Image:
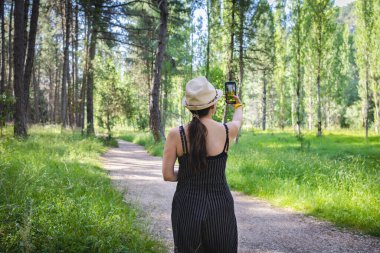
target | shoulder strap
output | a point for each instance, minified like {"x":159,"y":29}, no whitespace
{"x":183,"y":139}
{"x":227,"y":144}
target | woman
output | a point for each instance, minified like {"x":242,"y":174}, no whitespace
{"x":203,"y":217}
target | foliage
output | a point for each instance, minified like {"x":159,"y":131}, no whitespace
{"x":352,"y":113}
{"x":55,"y":197}
{"x":366,"y":56}
{"x":114,"y":99}
{"x":198,"y":43}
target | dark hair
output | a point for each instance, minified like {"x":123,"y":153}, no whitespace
{"x":197,"y":139}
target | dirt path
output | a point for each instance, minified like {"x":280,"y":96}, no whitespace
{"x":261,"y":227}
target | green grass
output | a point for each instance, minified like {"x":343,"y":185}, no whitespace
{"x":144,"y":139}
{"x":55,"y":197}
{"x":335,"y":177}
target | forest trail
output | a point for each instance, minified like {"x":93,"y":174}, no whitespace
{"x":261,"y":227}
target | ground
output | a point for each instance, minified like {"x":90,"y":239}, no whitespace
{"x":261,"y":226}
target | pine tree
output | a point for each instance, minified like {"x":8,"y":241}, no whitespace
{"x":155,"y":118}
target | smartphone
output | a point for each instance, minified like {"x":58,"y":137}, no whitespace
{"x":230,"y":88}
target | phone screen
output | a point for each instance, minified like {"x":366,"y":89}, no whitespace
{"x":230,"y":88}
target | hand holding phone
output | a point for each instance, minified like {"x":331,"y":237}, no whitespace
{"x":230,"y":91}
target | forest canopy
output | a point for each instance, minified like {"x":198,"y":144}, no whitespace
{"x":299,"y":64}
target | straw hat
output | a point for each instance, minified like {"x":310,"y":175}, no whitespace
{"x":200,"y":94}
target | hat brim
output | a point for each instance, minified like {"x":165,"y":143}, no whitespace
{"x":219,"y":94}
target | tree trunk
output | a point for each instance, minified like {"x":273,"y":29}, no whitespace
{"x":165,"y":98}
{"x":191,"y":52}
{"x":56,"y":95}
{"x":90,"y":76}
{"x":155,"y":124}
{"x":50,"y":96}
{"x":327,"y":113}
{"x":31,"y":50}
{"x":377,"y":107}
{"x":20,"y":124}
{"x":272,"y":103}
{"x":75,"y":69}
{"x":367,"y":98}
{"x":241,"y":60}
{"x":310,"y":110}
{"x":66,"y":67}
{"x":10,"y":61}
{"x":264,"y":100}
{"x":82,"y":102}
{"x":82,"y":97}
{"x":2,"y":66}
{"x":2,"y":75}
{"x":36,"y":117}
{"x":319,"y":112}
{"x":298,"y":88}
{"x":57,"y":72}
{"x":282,"y":106}
{"x":231,"y":76}
{"x":208,"y":38}
{"x":293,"y":109}
{"x":148,"y":74}
{"x":26,"y":15}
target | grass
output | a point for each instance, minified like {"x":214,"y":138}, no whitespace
{"x":144,"y":139}
{"x":335,"y":177}
{"x":55,"y":197}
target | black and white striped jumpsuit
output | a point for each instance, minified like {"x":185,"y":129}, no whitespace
{"x":203,"y":216}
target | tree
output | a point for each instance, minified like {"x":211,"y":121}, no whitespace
{"x":75,"y":41}
{"x":113,"y":98}
{"x":66,"y":64}
{"x":31,"y":50}
{"x":363,"y":41}
{"x":95,"y":24}
{"x":2,"y":63}
{"x":209,"y":25}
{"x":10,"y":65}
{"x":155,"y":118}
{"x":279,"y":72}
{"x":260,"y":51}
{"x":322,"y":14}
{"x":375,"y":63}
{"x":230,"y":63}
{"x":20,"y":120}
{"x":297,"y":43}
{"x":2,"y":68}
{"x":243,"y":7}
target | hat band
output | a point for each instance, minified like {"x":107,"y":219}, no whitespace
{"x":212,"y":100}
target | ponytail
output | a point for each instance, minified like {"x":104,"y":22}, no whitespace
{"x":197,"y":134}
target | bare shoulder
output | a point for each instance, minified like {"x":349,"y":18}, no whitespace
{"x":173,"y":133}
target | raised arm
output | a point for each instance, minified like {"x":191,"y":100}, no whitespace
{"x":237,"y":120}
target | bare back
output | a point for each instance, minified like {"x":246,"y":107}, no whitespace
{"x":215,"y":138}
